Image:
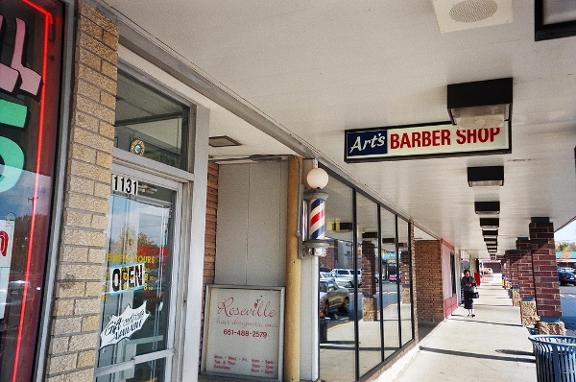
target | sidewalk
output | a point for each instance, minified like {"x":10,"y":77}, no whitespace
{"x":490,"y":347}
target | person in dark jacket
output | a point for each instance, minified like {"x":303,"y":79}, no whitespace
{"x":468,"y":284}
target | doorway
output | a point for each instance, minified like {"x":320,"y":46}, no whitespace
{"x":138,"y":307}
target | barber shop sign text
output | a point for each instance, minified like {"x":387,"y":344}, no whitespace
{"x":422,"y":141}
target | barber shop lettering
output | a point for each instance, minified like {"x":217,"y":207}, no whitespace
{"x":127,"y":277}
{"x":422,"y":141}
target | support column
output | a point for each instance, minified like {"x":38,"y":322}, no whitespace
{"x":525,"y":272}
{"x":293,"y":271}
{"x":428,"y":267}
{"x":547,"y":290}
{"x":369,"y":303}
{"x":513,"y":257}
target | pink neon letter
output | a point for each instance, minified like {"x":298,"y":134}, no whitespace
{"x":30,"y":79}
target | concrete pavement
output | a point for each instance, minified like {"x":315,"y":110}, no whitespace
{"x":493,"y":346}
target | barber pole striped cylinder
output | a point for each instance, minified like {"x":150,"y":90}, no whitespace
{"x":317,"y":226}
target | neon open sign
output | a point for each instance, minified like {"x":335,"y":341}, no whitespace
{"x":12,"y":113}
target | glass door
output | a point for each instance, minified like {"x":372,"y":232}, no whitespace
{"x":136,"y":340}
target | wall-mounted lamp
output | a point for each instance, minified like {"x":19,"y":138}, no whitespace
{"x":489,"y":223}
{"x":481,"y":104}
{"x":486,"y":176}
{"x":487,"y":208}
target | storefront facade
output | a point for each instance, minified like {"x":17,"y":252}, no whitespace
{"x":105,"y":221}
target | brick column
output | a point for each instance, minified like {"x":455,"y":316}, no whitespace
{"x":513,"y":257}
{"x":545,"y":269}
{"x":525,"y":273}
{"x":428,"y":268}
{"x":414,"y":280}
{"x":74,"y":330}
{"x":369,"y":302}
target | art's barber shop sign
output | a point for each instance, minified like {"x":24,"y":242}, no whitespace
{"x":424,"y":141}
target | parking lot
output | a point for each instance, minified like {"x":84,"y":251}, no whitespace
{"x":568,"y":301}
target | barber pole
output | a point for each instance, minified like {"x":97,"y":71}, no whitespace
{"x":317,"y":219}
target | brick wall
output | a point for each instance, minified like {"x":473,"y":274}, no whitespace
{"x":415,"y":281}
{"x":525,"y":276}
{"x":368,"y":264}
{"x":210,"y":234}
{"x":428,"y":273}
{"x":75,"y":317}
{"x":547,"y":290}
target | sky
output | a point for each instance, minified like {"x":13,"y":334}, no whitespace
{"x":568,"y":233}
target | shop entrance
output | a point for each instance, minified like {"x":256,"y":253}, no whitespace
{"x":138,"y":308}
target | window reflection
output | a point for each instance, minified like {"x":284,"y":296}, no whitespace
{"x":336,"y":289}
{"x":389,"y":282}
{"x":149,"y":124}
{"x":369,"y":339}
{"x":405,"y":280}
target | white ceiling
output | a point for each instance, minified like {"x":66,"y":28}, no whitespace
{"x":320,"y":67}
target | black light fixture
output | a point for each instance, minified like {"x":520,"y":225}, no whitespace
{"x":486,"y":176}
{"x":481,"y":103}
{"x":223,"y":141}
{"x":487,"y":208}
{"x":489,"y":223}
{"x":490,"y":233}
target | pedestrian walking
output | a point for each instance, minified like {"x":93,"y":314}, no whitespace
{"x":468,"y":286}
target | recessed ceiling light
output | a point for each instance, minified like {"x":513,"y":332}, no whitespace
{"x":223,"y":141}
{"x":486,"y":176}
{"x":487,"y":208}
{"x":489,"y":223}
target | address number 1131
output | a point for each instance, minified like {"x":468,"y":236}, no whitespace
{"x":124,"y":185}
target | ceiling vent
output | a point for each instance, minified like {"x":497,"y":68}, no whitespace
{"x":456,"y":15}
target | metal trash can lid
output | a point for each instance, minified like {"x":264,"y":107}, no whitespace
{"x":554,"y":340}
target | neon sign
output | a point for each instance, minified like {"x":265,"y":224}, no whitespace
{"x":14,"y":114}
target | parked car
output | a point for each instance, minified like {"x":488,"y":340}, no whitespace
{"x":343,"y":275}
{"x":566,"y":278}
{"x":333,"y":299}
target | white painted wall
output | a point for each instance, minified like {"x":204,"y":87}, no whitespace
{"x":251,"y":225}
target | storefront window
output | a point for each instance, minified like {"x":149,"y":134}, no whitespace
{"x":337,"y":339}
{"x":369,"y":338}
{"x":405,"y":280}
{"x":364,"y":289}
{"x":30,"y":63}
{"x":389,"y":282}
{"x":149,"y":124}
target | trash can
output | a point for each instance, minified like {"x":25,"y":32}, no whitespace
{"x":555,"y":358}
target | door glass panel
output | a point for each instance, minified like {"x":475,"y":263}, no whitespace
{"x":137,"y":293}
{"x":152,"y":371}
